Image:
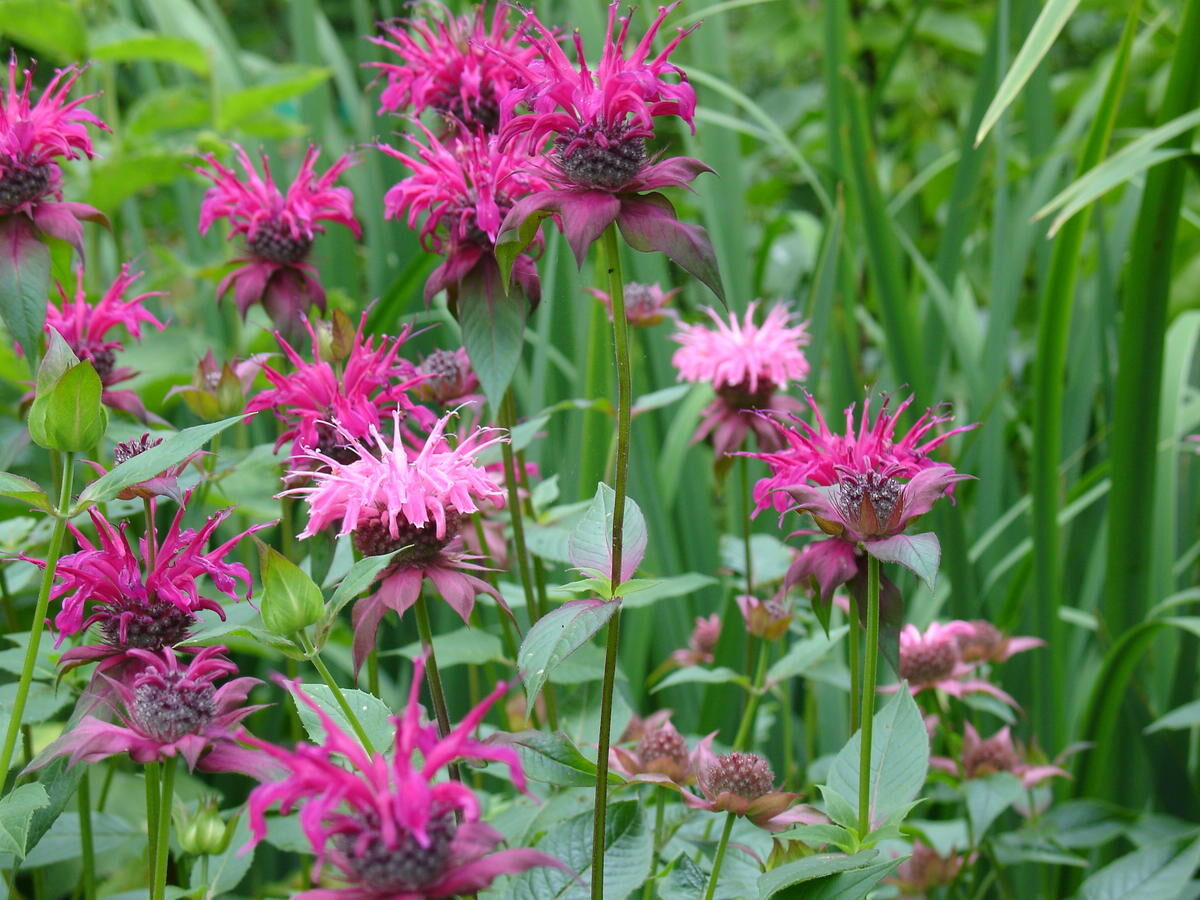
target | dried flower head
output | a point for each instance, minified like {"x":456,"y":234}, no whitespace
{"x":660,"y":754}
{"x":932,"y":660}
{"x":981,"y":757}
{"x":645,"y":304}
{"x":986,"y":643}
{"x":701,"y":643}
{"x":743,"y":784}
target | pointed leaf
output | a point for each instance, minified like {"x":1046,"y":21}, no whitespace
{"x":238,"y":106}
{"x":290,"y":600}
{"x":493,"y":329}
{"x":24,"y":281}
{"x":557,"y":635}
{"x":148,"y":45}
{"x":852,"y":884}
{"x":988,"y":797}
{"x":810,"y":868}
{"x":649,"y":223}
{"x":70,"y":417}
{"x":16,"y":810}
{"x":1159,"y":871}
{"x":921,"y":553}
{"x":1186,"y":716}
{"x":20,"y":488}
{"x":372,"y":713}
{"x":590,"y":544}
{"x":701,"y":675}
{"x":553,"y":759}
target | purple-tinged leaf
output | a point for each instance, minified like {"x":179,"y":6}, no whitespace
{"x":24,"y":281}
{"x":921,"y":553}
{"x":557,"y":635}
{"x":648,"y":223}
{"x":590,"y":545}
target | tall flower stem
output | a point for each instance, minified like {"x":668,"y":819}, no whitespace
{"x":660,"y":805}
{"x":746,"y":728}
{"x":719,"y":858}
{"x":441,"y":713}
{"x":87,"y":878}
{"x":166,"y":796}
{"x":868,"y":697}
{"x":508,"y":418}
{"x":153,"y":775}
{"x":853,"y":650}
{"x":338,"y":697}
{"x":39,"y":615}
{"x":616,"y":291}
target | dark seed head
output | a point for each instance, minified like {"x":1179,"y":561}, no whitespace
{"x":167,"y":712}
{"x":739,"y":396}
{"x":988,"y":757}
{"x":591,"y":157}
{"x":149,"y":625}
{"x":372,"y":538}
{"x":867,"y":500}
{"x":927,"y":663}
{"x":127,"y":450}
{"x":664,"y":750}
{"x":406,"y":867}
{"x":21,"y":183}
{"x":103,"y":361}
{"x":273,"y":242}
{"x":982,"y":643}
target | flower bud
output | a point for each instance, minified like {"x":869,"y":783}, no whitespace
{"x":207,"y":834}
{"x":291,"y":601}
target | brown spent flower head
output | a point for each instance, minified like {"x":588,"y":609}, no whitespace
{"x":701,"y":644}
{"x":743,"y":784}
{"x":767,"y":619}
{"x":746,"y":775}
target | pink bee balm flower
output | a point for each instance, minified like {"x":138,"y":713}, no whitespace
{"x":449,"y":377}
{"x":85,"y":328}
{"x":32,"y":135}
{"x":999,"y":753}
{"x":458,"y":66}
{"x":645,"y":304}
{"x":660,"y":756}
{"x":743,"y":784}
{"x":933,"y":661}
{"x":986,"y":643}
{"x":701,"y":644}
{"x":138,"y":604}
{"x":166,"y":710}
{"x":164,"y":484}
{"x":463,"y":188}
{"x":391,"y":828}
{"x":279,"y":230}
{"x":767,"y":619}
{"x":390,"y":499}
{"x":599,"y":167}
{"x":924,"y":871}
{"x":324,"y":406}
{"x":747,"y":365}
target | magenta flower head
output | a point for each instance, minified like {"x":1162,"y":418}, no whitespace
{"x":32,"y":136}
{"x":279,"y":230}
{"x":933,"y":661}
{"x":86,"y":329}
{"x":999,"y":753}
{"x":743,"y":784}
{"x":458,"y":66}
{"x":393,"y":830}
{"x":138,"y":605}
{"x":600,"y":169}
{"x":747,"y":365}
{"x":326,"y":407}
{"x":464,"y":188}
{"x":168,"y":709}
{"x":392,"y":500}
{"x":767,"y":619}
{"x":645,"y":304}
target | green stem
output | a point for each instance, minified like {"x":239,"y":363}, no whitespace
{"x":868,"y":697}
{"x":87,"y":847}
{"x":373,"y":672}
{"x":153,"y":775}
{"x":338,"y":697}
{"x":158,"y":887}
{"x":508,"y":418}
{"x":616,"y":291}
{"x":746,"y":728}
{"x":441,"y":713}
{"x":39,"y":616}
{"x":660,"y":805}
{"x":744,"y":466}
{"x":853,"y":650}
{"x":720,"y":857}
{"x":151,"y":535}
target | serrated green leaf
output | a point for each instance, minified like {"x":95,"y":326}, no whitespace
{"x":804,"y":654}
{"x":810,"y":868}
{"x":590,"y":544}
{"x":557,"y":635}
{"x":24,"y":282}
{"x":23,"y":489}
{"x":16,"y":811}
{"x":371,"y":712}
{"x":465,"y":646}
{"x":988,"y":797}
{"x":919,"y":553}
{"x":554,"y":759}
{"x":493,"y":330}
{"x":1159,"y":871}
{"x":665,"y":589}
{"x":116,"y":181}
{"x":852,"y":884}
{"x":701,"y":675}
{"x":1186,"y":716}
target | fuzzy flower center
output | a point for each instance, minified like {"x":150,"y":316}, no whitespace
{"x":373,"y":538}
{"x":747,"y":775}
{"x":482,"y":111}
{"x":982,"y":643}
{"x":739,"y":396}
{"x":103,"y":360}
{"x":928,"y":662}
{"x":274,"y":242}
{"x":601,"y":156}
{"x":407,"y":866}
{"x":662,"y":749}
{"x":23,"y":183}
{"x":867,"y":500}
{"x":988,"y":757}
{"x":127,"y":450}
{"x":169,"y":710}
{"x":146,"y":625}
{"x":446,"y":376}
{"x":332,"y":443}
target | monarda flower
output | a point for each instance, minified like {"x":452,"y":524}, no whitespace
{"x":391,"y":500}
{"x":391,"y":826}
{"x":660,"y":756}
{"x":458,"y":66}
{"x":448,"y":378}
{"x":924,"y":871}
{"x":218,"y":391}
{"x":85,"y":327}
{"x":325,"y":407}
{"x":747,"y":365}
{"x":984,"y":642}
{"x":464,"y":188}
{"x":645,"y":304}
{"x":168,"y":709}
{"x":164,"y":484}
{"x":138,"y":604}
{"x":767,"y":619}
{"x":932,"y":661}
{"x":32,"y":136}
{"x":599,"y":167}
{"x":999,"y":753}
{"x":743,"y":784}
{"x":279,"y":230}
{"x":702,"y":643}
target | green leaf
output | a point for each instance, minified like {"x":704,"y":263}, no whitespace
{"x":988,"y":797}
{"x":512,"y":243}
{"x":370,"y":711}
{"x":16,"y":810}
{"x":70,"y":417}
{"x":665,"y":589}
{"x":24,"y":282}
{"x":920,"y":553}
{"x":1045,"y":31}
{"x":816,"y":835}
{"x":242,"y":105}
{"x":852,"y":884}
{"x":290,"y":601}
{"x":173,"y":450}
{"x":23,"y":489}
{"x":493,"y":330}
{"x":466,"y":646}
{"x":701,"y":675}
{"x":154,"y":47}
{"x":554,"y":759}
{"x":590,"y":544}
{"x":169,"y":109}
{"x":810,"y":868}
{"x":1159,"y":871}
{"x":899,"y":759}
{"x":114,"y":182}
{"x":1186,"y":716}
{"x":557,"y":635}
{"x":628,"y":847}
{"x":1086,"y":823}
{"x":60,"y":779}
{"x":804,"y":654}
{"x":684,"y":881}
{"x":659,"y":399}
{"x":52,"y":28}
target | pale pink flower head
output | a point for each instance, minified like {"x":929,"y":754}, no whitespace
{"x":389,"y":824}
{"x":932,"y":660}
{"x":767,"y":619}
{"x":743,"y":784}
{"x":702,"y":642}
{"x":645,"y":304}
{"x":746,"y":364}
{"x":325,"y":407}
{"x":168,"y":709}
{"x":1000,"y":753}
{"x":463,"y":189}
{"x":449,"y":378}
{"x":391,"y":499}
{"x":279,"y":229}
{"x":660,"y":756}
{"x":32,"y":135}
{"x":87,"y":330}
{"x":134,"y":605}
{"x":460,"y":67}
{"x":986,"y":643}
{"x":924,"y":871}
